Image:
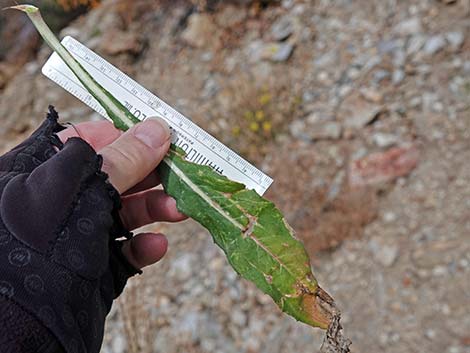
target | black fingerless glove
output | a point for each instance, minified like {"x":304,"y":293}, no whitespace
{"x":61,"y":264}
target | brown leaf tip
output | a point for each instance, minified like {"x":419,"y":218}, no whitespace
{"x":318,"y":309}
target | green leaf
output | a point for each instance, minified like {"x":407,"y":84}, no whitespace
{"x":252,"y":232}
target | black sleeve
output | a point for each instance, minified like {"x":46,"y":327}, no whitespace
{"x":60,"y":261}
{"x":20,"y":331}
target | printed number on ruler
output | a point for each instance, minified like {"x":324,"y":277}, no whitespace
{"x":200,"y":147}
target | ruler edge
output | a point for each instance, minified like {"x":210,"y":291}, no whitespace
{"x":268,"y":180}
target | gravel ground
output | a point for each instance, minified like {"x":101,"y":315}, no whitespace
{"x":365,"y":127}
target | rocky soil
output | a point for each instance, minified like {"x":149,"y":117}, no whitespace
{"x":359,"y":110}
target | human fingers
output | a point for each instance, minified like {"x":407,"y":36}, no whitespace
{"x":150,"y":181}
{"x":136,"y":153}
{"x":145,"y":249}
{"x":97,"y":133}
{"x":149,"y":207}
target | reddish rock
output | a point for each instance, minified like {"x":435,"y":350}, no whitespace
{"x":383,"y":167}
{"x":303,"y":191}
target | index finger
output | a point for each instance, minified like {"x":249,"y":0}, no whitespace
{"x":97,"y":133}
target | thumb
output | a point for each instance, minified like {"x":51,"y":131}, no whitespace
{"x":136,"y":153}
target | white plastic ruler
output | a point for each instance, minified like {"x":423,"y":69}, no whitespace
{"x":200,"y":147}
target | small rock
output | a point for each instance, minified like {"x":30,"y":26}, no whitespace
{"x":318,"y":117}
{"x":353,"y":73}
{"x":309,"y":96}
{"x":383,"y":339}
{"x":399,"y":58}
{"x":389,"y":46}
{"x":466,"y":66}
{"x":434,"y":44}
{"x":189,"y":326}
{"x":282,"y":28}
{"x":118,"y":42}
{"x":394,"y":337}
{"x":211,"y":87}
{"x":164,"y":342}
{"x":231,"y":16}
{"x":430,"y":333}
{"x":398,"y":76}
{"x":209,"y":345}
{"x":415,"y":102}
{"x":385,"y":254}
{"x":119,"y":344}
{"x":264,"y":299}
{"x":357,"y":113}
{"x":445,"y":309}
{"x":31,"y":67}
{"x":384,"y":140}
{"x":298,"y":9}
{"x":439,"y":271}
{"x":287,"y":4}
{"x":200,"y":30}
{"x":455,"y":40}
{"x":409,"y":26}
{"x":327,"y":59}
{"x":335,"y":187}
{"x":181,"y":268}
{"x":279,"y":52}
{"x":415,"y":44}
{"x":238,"y":318}
{"x":253,"y":344}
{"x":437,"y":107}
{"x":297,"y":129}
{"x":325,"y":131}
{"x":371,"y":95}
{"x":324,"y":77}
{"x":380,"y":75}
{"x":428,"y":99}
{"x":207,"y":56}
{"x":209,"y":328}
{"x":257,"y":324}
{"x":316,"y":126}
{"x":389,"y":217}
{"x":343,"y":91}
{"x":217,"y":263}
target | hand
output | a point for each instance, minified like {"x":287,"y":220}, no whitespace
{"x":130,"y":160}
{"x":64,"y":210}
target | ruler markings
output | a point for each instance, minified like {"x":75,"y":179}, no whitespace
{"x":127,"y":84}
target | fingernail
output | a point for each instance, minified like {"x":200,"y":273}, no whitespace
{"x":154,"y":132}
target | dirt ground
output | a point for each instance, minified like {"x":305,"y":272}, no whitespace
{"x":359,"y":110}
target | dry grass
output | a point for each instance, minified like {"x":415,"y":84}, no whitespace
{"x":256,"y":115}
{"x":138,"y":323}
